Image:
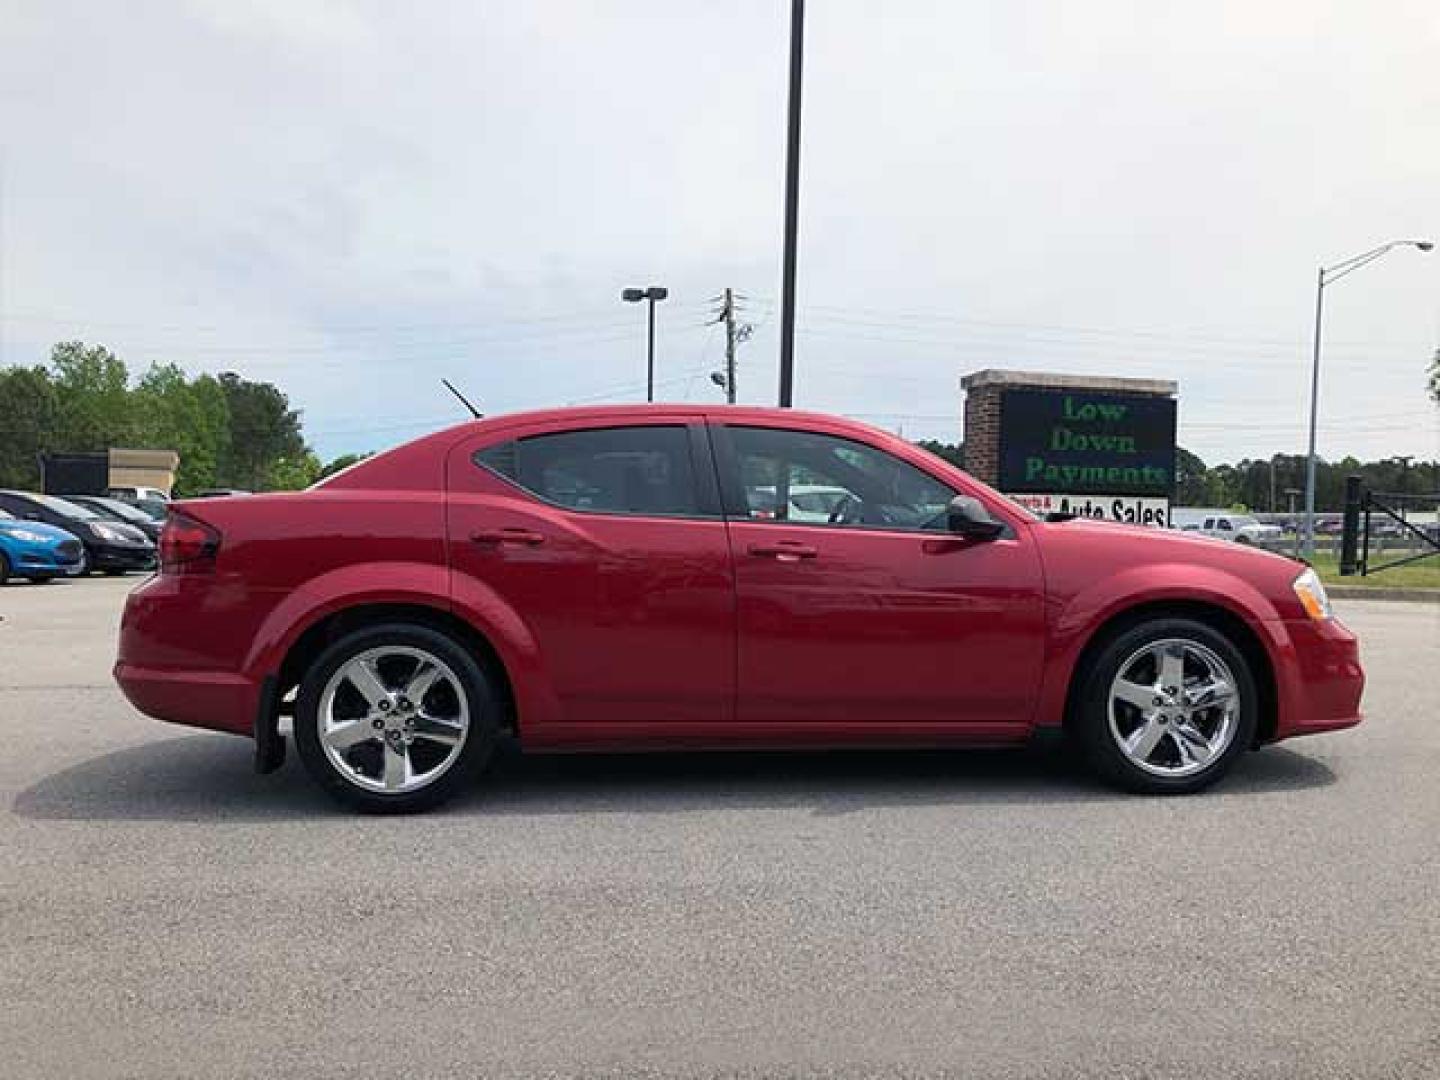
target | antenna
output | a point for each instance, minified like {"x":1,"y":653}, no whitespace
{"x":463,"y":400}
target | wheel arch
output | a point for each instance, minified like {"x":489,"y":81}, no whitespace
{"x":1219,"y":618}
{"x":331,"y":627}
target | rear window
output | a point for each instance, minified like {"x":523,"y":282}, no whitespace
{"x":623,"y":470}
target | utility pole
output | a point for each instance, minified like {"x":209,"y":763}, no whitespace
{"x":735,"y":333}
{"x":729,"y":314}
{"x":792,"y":206}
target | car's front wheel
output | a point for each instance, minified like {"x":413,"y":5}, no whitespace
{"x":394,"y":718}
{"x":1166,"y":706}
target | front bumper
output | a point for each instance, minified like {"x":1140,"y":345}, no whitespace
{"x":122,"y":557}
{"x":48,"y":560}
{"x":1319,"y":678}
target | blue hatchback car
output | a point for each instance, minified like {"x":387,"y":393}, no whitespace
{"x":34,"y":550}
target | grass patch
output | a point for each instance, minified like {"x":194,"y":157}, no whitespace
{"x":1424,"y":574}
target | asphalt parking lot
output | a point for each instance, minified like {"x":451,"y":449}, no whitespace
{"x":167,"y":913}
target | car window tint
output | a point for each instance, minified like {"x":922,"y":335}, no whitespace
{"x":824,"y":477}
{"x":1224,"y":525}
{"x":120,"y":509}
{"x":625,"y":470}
{"x":65,"y":508}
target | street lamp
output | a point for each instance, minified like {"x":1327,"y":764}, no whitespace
{"x":634,"y":296}
{"x":1327,"y":276}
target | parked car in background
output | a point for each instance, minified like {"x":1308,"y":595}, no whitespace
{"x":1225,"y":525}
{"x":155,"y":509}
{"x":111,"y":546}
{"x":137,"y":494}
{"x":599,"y":578}
{"x":119,"y":510}
{"x":37,"y":551}
{"x":808,"y":502}
{"x":1240,"y":529}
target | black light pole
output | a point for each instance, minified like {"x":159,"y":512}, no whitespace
{"x":792,"y":207}
{"x":634,"y":296}
{"x":1327,"y":276}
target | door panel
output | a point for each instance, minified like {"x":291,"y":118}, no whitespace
{"x":633,"y":613}
{"x":865,"y":624}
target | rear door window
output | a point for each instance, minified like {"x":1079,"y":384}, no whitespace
{"x":645,"y":470}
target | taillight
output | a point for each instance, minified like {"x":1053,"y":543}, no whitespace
{"x":187,"y":546}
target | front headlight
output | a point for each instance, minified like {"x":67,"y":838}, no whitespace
{"x":105,"y":532}
{"x":1311,"y":593}
{"x":26,"y":536}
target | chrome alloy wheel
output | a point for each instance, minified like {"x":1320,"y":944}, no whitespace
{"x":393,"y":719}
{"x":1174,"y":707}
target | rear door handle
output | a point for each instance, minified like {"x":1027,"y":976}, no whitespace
{"x":784,"y":551}
{"x":508,"y":536}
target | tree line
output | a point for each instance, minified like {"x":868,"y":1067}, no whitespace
{"x":234,"y":433}
{"x":229,"y":432}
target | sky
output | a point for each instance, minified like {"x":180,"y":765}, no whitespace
{"x":355,"y":199}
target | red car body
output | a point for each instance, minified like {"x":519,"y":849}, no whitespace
{"x":635,"y":631}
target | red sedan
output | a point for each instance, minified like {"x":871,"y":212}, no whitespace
{"x":645,"y":578}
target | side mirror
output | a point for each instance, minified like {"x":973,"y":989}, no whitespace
{"x":968,"y":517}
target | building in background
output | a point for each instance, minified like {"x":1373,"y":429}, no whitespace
{"x":1096,"y":446}
{"x":95,"y":474}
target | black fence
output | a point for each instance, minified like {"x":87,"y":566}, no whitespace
{"x":1379,"y":523}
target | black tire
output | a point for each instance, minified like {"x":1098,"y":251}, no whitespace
{"x":1090,"y":722}
{"x":4,"y":568}
{"x":43,"y":579}
{"x":1244,"y":540}
{"x":476,"y":748}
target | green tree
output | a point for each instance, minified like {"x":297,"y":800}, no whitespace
{"x":191,"y":418}
{"x":1190,"y":474}
{"x":94,"y":410}
{"x":28,"y":420}
{"x":344,"y":461}
{"x":954,"y":453}
{"x":263,"y":431}
{"x":292,"y":473}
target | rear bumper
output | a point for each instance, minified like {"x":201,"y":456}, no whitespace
{"x":179,"y":655}
{"x":217,"y":700}
{"x":1319,"y":678}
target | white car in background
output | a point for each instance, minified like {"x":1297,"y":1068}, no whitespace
{"x":1237,"y":528}
{"x":808,"y":502}
{"x":138,"y":494}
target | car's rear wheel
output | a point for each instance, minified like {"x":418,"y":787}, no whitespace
{"x":4,"y":568}
{"x":1166,"y":706}
{"x":395,"y":718}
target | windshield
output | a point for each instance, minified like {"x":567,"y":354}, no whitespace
{"x":65,"y":507}
{"x":123,"y":510}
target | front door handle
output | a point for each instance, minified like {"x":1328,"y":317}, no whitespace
{"x":784,"y":551}
{"x":508,"y":536}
